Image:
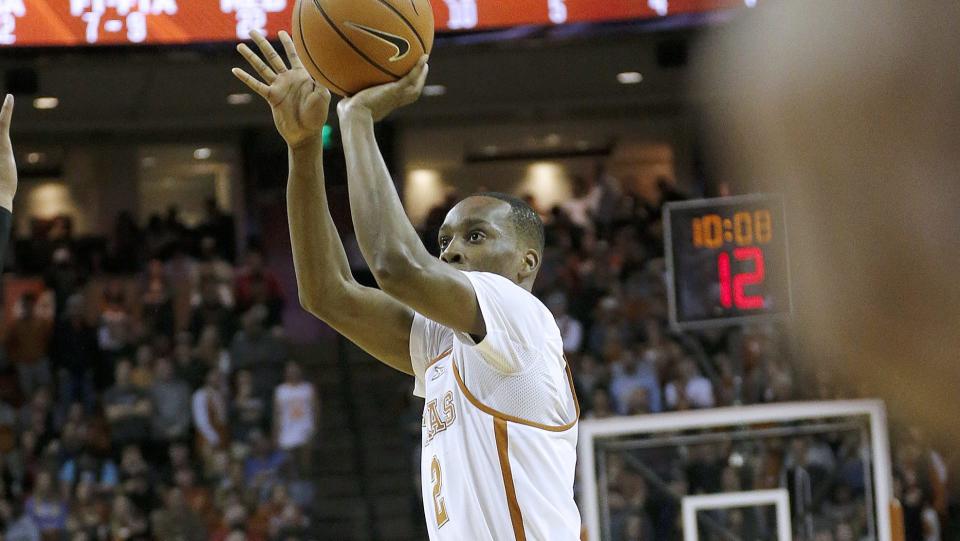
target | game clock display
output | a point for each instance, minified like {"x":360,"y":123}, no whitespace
{"x":726,"y":261}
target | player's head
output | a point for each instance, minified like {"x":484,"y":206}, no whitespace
{"x":494,"y":232}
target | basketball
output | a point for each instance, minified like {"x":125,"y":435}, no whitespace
{"x":350,"y":45}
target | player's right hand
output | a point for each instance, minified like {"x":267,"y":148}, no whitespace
{"x":300,"y":106}
{"x":8,"y":166}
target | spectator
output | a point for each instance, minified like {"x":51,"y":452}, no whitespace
{"x":141,"y":375}
{"x":213,"y":266}
{"x":689,"y":389}
{"x":248,"y":412}
{"x":126,"y":522}
{"x":189,"y":365}
{"x":128,"y":409}
{"x":210,"y":415}
{"x":262,"y":467}
{"x":571,"y":330}
{"x":171,"y":404}
{"x":74,"y":352}
{"x":46,"y":508}
{"x":27,"y":344}
{"x":255,"y":280}
{"x":630,"y":373}
{"x":258,"y":351}
{"x":211,"y":309}
{"x":175,"y":520}
{"x":296,"y":415}
{"x":156,"y":298}
{"x":601,"y":405}
{"x":114,"y":333}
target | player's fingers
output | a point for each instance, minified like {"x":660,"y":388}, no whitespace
{"x":417,"y":72}
{"x":6,"y":114}
{"x":291,"y":50}
{"x":273,"y":58}
{"x":255,"y":85}
{"x":422,"y":79}
{"x":264,"y":70}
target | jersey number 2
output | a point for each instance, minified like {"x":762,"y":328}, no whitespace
{"x":439,"y":507}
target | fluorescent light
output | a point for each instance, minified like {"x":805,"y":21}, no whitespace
{"x":202,"y":153}
{"x":149,"y":161}
{"x":630,"y":78}
{"x":34,"y":157}
{"x":239,"y":99}
{"x":46,"y":103}
{"x":434,"y":90}
{"x":491,"y":149}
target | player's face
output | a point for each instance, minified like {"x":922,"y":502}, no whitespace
{"x":478,"y":235}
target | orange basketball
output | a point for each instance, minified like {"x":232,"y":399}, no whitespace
{"x":350,"y":45}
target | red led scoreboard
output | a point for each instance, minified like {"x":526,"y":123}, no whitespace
{"x":726,"y":261}
{"x":40,"y":23}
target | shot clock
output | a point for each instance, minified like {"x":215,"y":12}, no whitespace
{"x":726,"y":261}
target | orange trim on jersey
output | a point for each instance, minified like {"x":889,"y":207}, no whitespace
{"x":503,"y":453}
{"x":438,"y":358}
{"x":506,"y":417}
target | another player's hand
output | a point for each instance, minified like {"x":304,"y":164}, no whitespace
{"x":300,"y":106}
{"x":380,"y":101}
{"x":8,"y":166}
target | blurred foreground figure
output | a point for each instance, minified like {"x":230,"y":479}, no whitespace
{"x":850,"y":110}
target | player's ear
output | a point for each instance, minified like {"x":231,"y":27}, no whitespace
{"x":531,"y":263}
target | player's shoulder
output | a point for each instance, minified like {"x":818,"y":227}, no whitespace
{"x":505,"y":287}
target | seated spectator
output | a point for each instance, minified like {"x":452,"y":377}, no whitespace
{"x":248,"y":412}
{"x":27,"y":344}
{"x":138,"y":479}
{"x":689,"y":390}
{"x":156,"y":300}
{"x":262,"y":467}
{"x":128,"y":410}
{"x":211,"y":310}
{"x":213,"y":265}
{"x":176,"y":520}
{"x":115,"y":331}
{"x":255,"y":283}
{"x":296,"y":409}
{"x":628,"y":373}
{"x":571,"y":330}
{"x":126,"y":522}
{"x":188,"y":365}
{"x":197,"y":497}
{"x":17,"y":525}
{"x":88,"y":514}
{"x":209,"y":408}
{"x":601,"y":405}
{"x":46,"y":508}
{"x":260,"y":352}
{"x":171,"y":404}
{"x":142,"y":373}
{"x":74,"y":352}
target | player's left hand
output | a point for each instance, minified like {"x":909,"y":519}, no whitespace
{"x":8,"y":166}
{"x":380,"y":101}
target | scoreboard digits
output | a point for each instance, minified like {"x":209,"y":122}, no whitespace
{"x":726,"y":260}
{"x":116,"y":22}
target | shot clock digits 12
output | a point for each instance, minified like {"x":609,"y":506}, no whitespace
{"x":726,"y":260}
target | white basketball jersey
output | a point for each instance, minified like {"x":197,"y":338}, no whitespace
{"x":499,"y":423}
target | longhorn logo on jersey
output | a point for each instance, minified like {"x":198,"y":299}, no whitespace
{"x":439,"y":415}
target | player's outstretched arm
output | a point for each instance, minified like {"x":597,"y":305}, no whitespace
{"x":8,"y":174}
{"x":371,"y":319}
{"x":401,"y":264}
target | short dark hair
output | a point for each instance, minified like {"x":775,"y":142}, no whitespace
{"x":526,"y":220}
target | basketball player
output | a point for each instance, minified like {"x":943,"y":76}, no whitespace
{"x":8,"y":176}
{"x":500,"y":419}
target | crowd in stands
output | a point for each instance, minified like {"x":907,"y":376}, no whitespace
{"x":147,"y":391}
